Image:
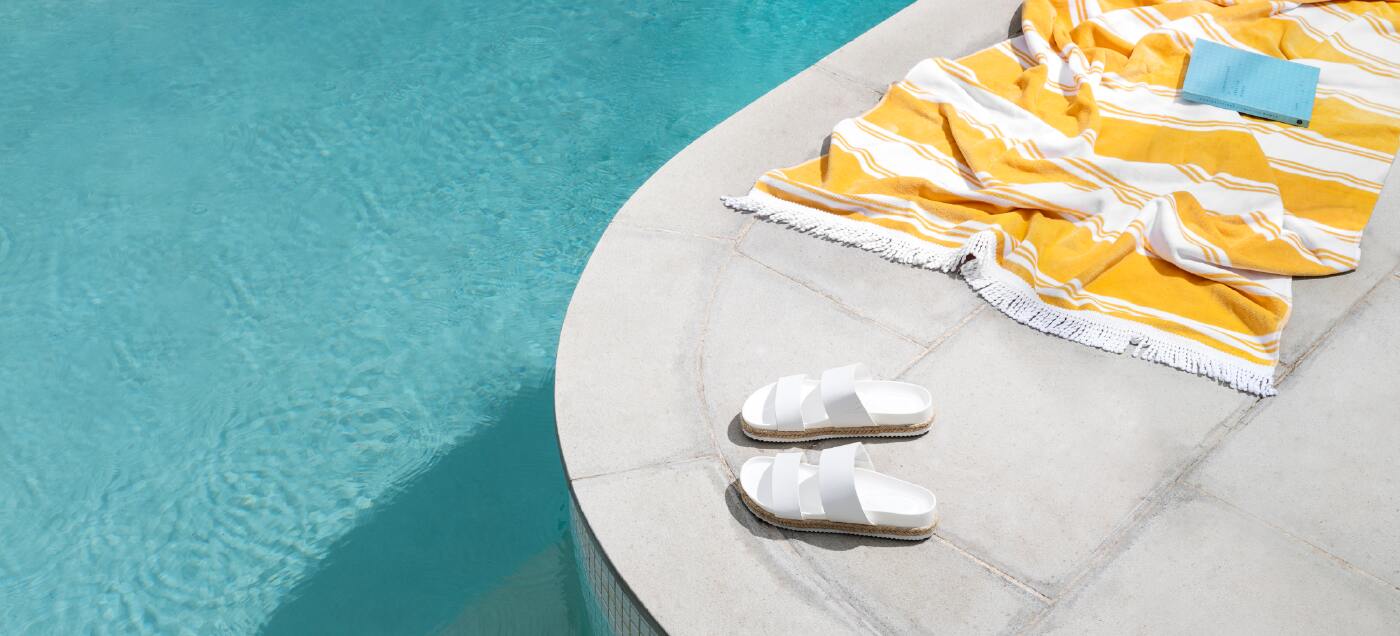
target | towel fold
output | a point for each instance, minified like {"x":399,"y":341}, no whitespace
{"x":1061,"y":174}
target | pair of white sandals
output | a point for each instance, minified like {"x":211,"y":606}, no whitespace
{"x":840,"y":491}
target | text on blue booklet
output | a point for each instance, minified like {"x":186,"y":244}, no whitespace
{"x":1250,"y":83}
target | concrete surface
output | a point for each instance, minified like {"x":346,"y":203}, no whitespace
{"x":1080,"y":491}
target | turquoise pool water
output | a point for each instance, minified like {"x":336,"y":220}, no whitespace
{"x":280,"y":286}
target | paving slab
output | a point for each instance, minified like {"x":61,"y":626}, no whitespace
{"x":1043,"y":447}
{"x":1080,"y":491}
{"x":785,"y":127}
{"x":763,"y":326}
{"x":1201,"y":567}
{"x":951,"y":29}
{"x":716,"y":568}
{"x":641,"y":332}
{"x":927,"y":588}
{"x":864,"y":282}
{"x":1321,"y":460}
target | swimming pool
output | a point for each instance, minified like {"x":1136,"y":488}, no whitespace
{"x":280,"y":286}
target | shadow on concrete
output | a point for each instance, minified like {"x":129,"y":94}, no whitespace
{"x":762,"y":530}
{"x":823,"y":540}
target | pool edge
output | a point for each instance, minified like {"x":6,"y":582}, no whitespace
{"x":859,"y":71}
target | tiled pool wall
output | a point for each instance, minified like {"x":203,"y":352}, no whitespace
{"x":612,"y":609}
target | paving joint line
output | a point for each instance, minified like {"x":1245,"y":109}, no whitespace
{"x":1326,"y":335}
{"x":743,"y":232}
{"x":987,"y":565}
{"x":1156,"y":499}
{"x":1347,"y":565}
{"x":841,"y":305}
{"x":942,"y":338}
{"x":879,"y":91}
{"x":866,"y":614}
{"x":705,"y":415}
{"x":649,"y":465}
{"x":662,"y":230}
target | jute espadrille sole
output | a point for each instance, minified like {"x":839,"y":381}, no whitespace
{"x":832,"y":432}
{"x":837,"y":527}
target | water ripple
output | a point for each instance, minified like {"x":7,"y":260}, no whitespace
{"x":268,"y":268}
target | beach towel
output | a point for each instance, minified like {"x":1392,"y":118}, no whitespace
{"x":1061,"y":174}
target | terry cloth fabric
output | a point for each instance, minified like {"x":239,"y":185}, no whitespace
{"x":1062,"y":176}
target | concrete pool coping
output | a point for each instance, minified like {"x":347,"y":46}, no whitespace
{"x":1108,"y":495}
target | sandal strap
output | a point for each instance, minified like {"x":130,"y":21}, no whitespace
{"x":838,"y":391}
{"x":836,"y":476}
{"x":785,"y":494}
{"x":787,"y":402}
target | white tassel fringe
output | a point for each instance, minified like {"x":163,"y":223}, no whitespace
{"x":1021,"y":305}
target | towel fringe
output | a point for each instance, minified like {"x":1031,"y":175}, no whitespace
{"x":1022,"y":305}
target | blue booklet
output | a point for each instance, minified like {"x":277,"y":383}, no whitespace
{"x":1250,"y":83}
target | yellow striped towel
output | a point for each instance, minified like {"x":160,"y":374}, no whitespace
{"x":1062,"y":177}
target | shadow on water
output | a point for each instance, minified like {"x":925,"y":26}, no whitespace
{"x":476,"y":543}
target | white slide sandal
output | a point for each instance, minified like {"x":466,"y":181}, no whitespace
{"x":841,"y":493}
{"x":844,"y":403}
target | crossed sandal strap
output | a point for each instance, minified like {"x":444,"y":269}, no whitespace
{"x":783,"y":480}
{"x":836,"y":477}
{"x":787,"y":402}
{"x":838,"y":392}
{"x":835,"y":401}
